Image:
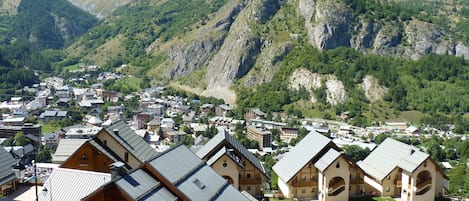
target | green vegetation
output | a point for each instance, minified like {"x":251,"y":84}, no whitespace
{"x":19,"y":139}
{"x":412,"y":84}
{"x":355,"y":152}
{"x":125,"y":85}
{"x":142,"y":23}
{"x":50,"y":127}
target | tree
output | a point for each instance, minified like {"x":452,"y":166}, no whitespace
{"x":355,"y":152}
{"x":160,"y":133}
{"x":456,"y":176}
{"x":380,"y":138}
{"x":44,"y":155}
{"x":435,"y":151}
{"x":188,"y":140}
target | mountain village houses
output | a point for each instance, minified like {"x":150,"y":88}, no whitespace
{"x":140,"y":158}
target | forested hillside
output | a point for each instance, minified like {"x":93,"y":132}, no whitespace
{"x":32,"y":36}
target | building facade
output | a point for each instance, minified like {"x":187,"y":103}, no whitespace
{"x":316,"y":169}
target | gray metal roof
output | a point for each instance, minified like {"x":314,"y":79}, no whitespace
{"x":192,"y":177}
{"x":70,"y":184}
{"x":175,"y":164}
{"x":131,"y":141}
{"x":6,"y":163}
{"x":300,"y":155}
{"x":66,"y":148}
{"x":327,"y":159}
{"x":159,"y":194}
{"x":389,"y":155}
{"x":137,"y":183}
{"x":224,"y":139}
{"x":258,"y":112}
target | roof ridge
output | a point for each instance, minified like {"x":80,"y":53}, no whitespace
{"x":189,"y":173}
{"x":219,"y":191}
{"x":158,"y":186}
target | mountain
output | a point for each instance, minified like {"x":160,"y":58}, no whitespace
{"x":99,"y":8}
{"x":32,"y":34}
{"x":230,"y":48}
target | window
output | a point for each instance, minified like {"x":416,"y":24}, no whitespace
{"x":126,"y":157}
{"x":313,"y":190}
{"x":313,"y":177}
{"x":198,"y":183}
{"x":248,"y":188}
{"x":337,"y":165}
{"x":304,"y":178}
{"x":389,"y":177}
{"x":105,"y":142}
{"x":303,"y":190}
{"x":248,"y":175}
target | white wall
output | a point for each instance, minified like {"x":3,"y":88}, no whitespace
{"x":284,"y":188}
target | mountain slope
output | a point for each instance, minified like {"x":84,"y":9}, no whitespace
{"x":223,"y":46}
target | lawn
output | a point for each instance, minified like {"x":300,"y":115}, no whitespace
{"x":72,"y":67}
{"x":50,"y":127}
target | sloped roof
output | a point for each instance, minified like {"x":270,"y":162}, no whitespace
{"x":217,"y":142}
{"x":195,"y":179}
{"x":389,"y":155}
{"x":131,"y":141}
{"x":66,"y":148}
{"x":71,"y":184}
{"x":139,"y":185}
{"x":6,"y":163}
{"x":327,"y":159}
{"x":300,"y":155}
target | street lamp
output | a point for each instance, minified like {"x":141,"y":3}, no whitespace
{"x":19,"y":170}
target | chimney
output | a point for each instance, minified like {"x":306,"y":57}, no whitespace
{"x":116,"y":131}
{"x":117,"y":169}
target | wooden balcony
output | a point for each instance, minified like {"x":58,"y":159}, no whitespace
{"x":398,"y":183}
{"x":250,"y":181}
{"x":336,"y":189}
{"x":304,"y":183}
{"x":357,"y":181}
{"x":424,"y":184}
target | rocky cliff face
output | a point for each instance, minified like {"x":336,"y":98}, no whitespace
{"x":373,"y":91}
{"x":335,"y":89}
{"x":238,"y":52}
{"x":330,"y":24}
{"x":327,"y":22}
{"x":186,"y":57}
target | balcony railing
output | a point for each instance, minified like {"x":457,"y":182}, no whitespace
{"x":356,"y":181}
{"x":250,"y":181}
{"x":336,"y":189}
{"x":336,"y":185}
{"x":398,"y":183}
{"x":424,"y":184}
{"x":304,"y":183}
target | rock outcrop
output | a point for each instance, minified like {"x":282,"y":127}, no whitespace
{"x":335,"y":89}
{"x":373,"y":91}
{"x":238,"y":53}
{"x":327,"y":22}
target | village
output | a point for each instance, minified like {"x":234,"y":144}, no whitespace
{"x":157,"y":145}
